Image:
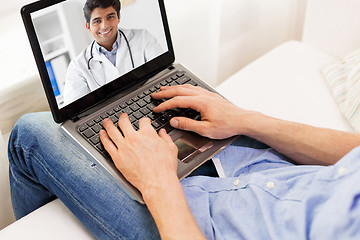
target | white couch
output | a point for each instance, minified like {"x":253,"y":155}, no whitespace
{"x":285,"y":83}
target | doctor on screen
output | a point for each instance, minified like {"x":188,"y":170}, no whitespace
{"x":113,"y":53}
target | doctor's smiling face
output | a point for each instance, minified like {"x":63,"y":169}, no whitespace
{"x":103,"y":26}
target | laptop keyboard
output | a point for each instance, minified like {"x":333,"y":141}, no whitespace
{"x":139,"y":106}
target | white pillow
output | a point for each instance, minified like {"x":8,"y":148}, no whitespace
{"x":343,"y":79}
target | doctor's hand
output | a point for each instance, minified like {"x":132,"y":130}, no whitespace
{"x":219,"y":118}
{"x":147,"y":159}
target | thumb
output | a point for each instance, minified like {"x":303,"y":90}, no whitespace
{"x":187,"y":124}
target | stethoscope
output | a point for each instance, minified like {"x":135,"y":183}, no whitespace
{"x":127,"y":42}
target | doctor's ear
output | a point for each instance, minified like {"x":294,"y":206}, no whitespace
{"x":87,"y":25}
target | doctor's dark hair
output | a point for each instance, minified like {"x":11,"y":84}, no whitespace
{"x":90,"y":5}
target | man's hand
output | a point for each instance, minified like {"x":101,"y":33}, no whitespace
{"x":219,"y":117}
{"x":146,"y":159}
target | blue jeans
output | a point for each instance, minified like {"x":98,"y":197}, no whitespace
{"x":45,"y":165}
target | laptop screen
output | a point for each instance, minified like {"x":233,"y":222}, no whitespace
{"x":87,"y":50}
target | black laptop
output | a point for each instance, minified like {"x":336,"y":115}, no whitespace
{"x":68,"y":57}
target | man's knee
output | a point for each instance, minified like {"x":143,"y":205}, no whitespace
{"x":32,"y":124}
{"x":30,"y":121}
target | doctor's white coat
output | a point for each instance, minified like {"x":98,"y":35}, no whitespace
{"x":81,"y":81}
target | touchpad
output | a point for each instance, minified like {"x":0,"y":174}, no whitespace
{"x":190,"y":145}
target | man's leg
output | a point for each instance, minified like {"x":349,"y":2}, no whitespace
{"x":45,"y":165}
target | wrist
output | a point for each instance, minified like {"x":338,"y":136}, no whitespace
{"x":156,"y":191}
{"x":249,"y":123}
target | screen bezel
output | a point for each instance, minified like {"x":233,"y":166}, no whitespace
{"x":121,"y":83}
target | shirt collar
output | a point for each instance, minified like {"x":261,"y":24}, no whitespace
{"x":101,"y":49}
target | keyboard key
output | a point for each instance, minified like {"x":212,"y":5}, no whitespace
{"x":156,"y":124}
{"x":138,"y":115}
{"x":151,"y":106}
{"x":132,"y":118}
{"x":145,"y":111}
{"x":88,"y":133}
{"x":169,"y":115}
{"x":100,"y":147}
{"x":104,"y":115}
{"x":152,"y":115}
{"x":90,"y":123}
{"x":127,"y":110}
{"x":157,"y":86}
{"x":135,"y":99}
{"x":141,"y":95}
{"x":83,"y":127}
{"x":168,"y":127}
{"x":183,"y":80}
{"x":118,"y":114}
{"x":148,"y":99}
{"x":162,"y":120}
{"x":95,"y":139}
{"x":147,"y":92}
{"x":163,"y":83}
{"x":123,"y":105}
{"x":97,"y":119}
{"x":191,"y":113}
{"x":192,"y":83}
{"x":96,"y":128}
{"x":129,"y":102}
{"x":136,"y":125}
{"x":134,"y":107}
{"x":117,"y":109}
{"x":110,"y":112}
{"x":141,"y":103}
{"x":114,"y":119}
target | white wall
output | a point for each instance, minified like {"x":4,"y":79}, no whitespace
{"x":248,"y":29}
{"x":214,"y":39}
{"x":335,"y":29}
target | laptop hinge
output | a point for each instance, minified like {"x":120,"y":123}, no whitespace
{"x":75,"y":118}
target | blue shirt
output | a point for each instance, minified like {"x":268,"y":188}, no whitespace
{"x":265,"y":197}
{"x":111,"y":55}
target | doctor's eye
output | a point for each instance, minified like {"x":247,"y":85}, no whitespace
{"x":96,"y":22}
{"x":111,"y":17}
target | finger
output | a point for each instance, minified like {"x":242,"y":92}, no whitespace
{"x":163,"y":134}
{"x":188,"y":124}
{"x":125,"y":125}
{"x":108,"y":144}
{"x":112,"y":131}
{"x":189,"y":86}
{"x":172,"y":91}
{"x":145,"y":125}
{"x":193,"y":102}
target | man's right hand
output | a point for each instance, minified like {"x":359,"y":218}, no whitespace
{"x":219,"y":118}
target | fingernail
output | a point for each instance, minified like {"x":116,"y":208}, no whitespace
{"x":174,"y":123}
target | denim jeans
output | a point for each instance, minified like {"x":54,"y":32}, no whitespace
{"x":45,"y":165}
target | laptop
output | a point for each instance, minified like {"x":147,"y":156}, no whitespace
{"x":80,"y":96}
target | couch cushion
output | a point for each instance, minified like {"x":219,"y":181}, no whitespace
{"x":344,"y":81}
{"x":52,"y":221}
{"x":287,"y":83}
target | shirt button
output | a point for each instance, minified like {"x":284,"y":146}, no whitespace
{"x":342,"y":170}
{"x":236,"y":182}
{"x":270,"y":184}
